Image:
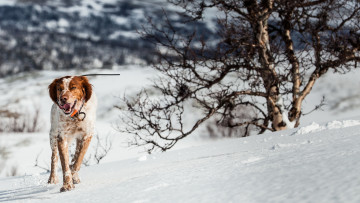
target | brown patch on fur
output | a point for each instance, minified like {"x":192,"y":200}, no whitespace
{"x":79,"y":87}
{"x":53,"y":90}
{"x":87,"y":88}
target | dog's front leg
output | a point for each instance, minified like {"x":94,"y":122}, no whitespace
{"x":64,"y":158}
{"x":81,"y":148}
{"x":53,"y":179}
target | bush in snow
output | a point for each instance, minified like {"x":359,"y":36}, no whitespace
{"x":268,"y":56}
{"x":20,"y":122}
{"x":223,"y":126}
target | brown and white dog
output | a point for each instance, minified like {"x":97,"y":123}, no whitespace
{"x":73,"y":116}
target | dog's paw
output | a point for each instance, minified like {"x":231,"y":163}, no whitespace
{"x":53,"y":180}
{"x":75,"y":178}
{"x":67,"y":187}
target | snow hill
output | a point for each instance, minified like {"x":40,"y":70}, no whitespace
{"x":316,"y":163}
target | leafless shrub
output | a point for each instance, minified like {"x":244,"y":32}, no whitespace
{"x":223,"y":127}
{"x":13,"y":171}
{"x":4,"y":153}
{"x":38,"y":166}
{"x":101,"y":149}
{"x":20,"y":122}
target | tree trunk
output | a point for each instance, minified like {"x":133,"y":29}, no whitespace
{"x":268,"y":73}
{"x":274,"y":111}
{"x":295,"y":112}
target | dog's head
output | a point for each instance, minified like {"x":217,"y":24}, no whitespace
{"x":70,"y":92}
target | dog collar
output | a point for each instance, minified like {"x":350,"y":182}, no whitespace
{"x":76,"y":113}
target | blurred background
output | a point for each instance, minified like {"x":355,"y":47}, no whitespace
{"x":80,"y":34}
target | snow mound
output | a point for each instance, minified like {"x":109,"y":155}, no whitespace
{"x":315,"y":127}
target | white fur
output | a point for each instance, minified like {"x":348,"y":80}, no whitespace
{"x":65,"y":127}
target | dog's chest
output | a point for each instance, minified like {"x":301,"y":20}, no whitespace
{"x":62,"y":125}
{"x":73,"y":128}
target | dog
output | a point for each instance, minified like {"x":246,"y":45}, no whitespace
{"x":73,"y":116}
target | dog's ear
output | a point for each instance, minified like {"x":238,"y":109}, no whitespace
{"x":53,"y":90}
{"x":87,"y":88}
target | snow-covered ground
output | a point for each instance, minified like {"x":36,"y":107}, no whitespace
{"x":289,"y":166}
{"x":314,"y":163}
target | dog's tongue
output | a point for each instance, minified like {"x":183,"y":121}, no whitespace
{"x":66,"y":107}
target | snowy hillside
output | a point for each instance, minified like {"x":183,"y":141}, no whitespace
{"x":316,"y":163}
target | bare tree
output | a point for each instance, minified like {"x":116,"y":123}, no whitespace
{"x":268,"y":57}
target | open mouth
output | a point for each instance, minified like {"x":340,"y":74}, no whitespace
{"x":67,"y":107}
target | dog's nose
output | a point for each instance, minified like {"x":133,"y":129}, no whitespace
{"x":64,"y":98}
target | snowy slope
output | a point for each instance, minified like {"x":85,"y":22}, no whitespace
{"x":316,"y":163}
{"x":25,"y":91}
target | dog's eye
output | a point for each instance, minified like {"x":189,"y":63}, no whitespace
{"x":59,"y":89}
{"x":73,"y":88}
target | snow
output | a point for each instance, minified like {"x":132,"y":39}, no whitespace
{"x":210,"y":18}
{"x":314,"y":127}
{"x":63,"y":23}
{"x":119,"y":20}
{"x":313,"y":167}
{"x":317,"y":162}
{"x":127,"y":34}
{"x":284,"y":113}
{"x":7,"y":2}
